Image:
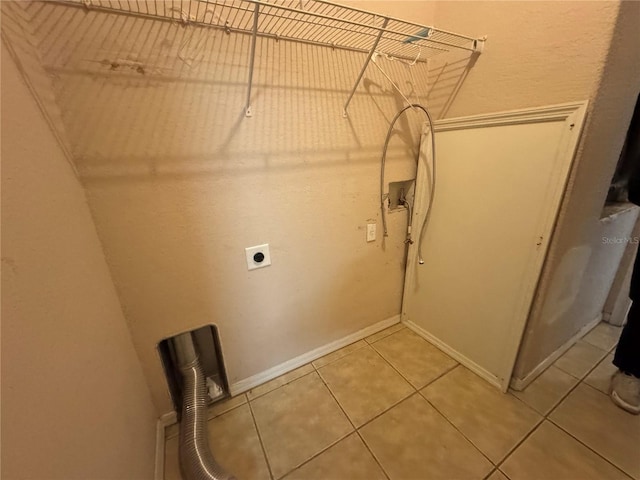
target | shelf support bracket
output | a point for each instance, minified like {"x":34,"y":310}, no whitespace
{"x":252,"y":58}
{"x":364,"y":67}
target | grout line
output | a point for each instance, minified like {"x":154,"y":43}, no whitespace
{"x":386,"y":410}
{"x":320,"y":451}
{"x":458,"y":430}
{"x":279,"y":386}
{"x":418,"y":392}
{"x":383,"y":411}
{"x":440,"y":376}
{"x":354,"y":427}
{"x":393,"y":367}
{"x":365,"y":344}
{"x":356,"y":430}
{"x":264,"y":451}
{"x":580,"y":378}
{"x":493,"y":470}
{"x":583,"y":443}
{"x":317,"y":454}
{"x":505,"y":475}
{"x":568,"y":392}
{"x":550,"y":420}
{"x":375,"y":458}
{"x":384,"y":336}
{"x":229,"y":410}
{"x":337,"y":402}
{"x":521,"y":441}
{"x":417,"y":389}
{"x":546,"y":416}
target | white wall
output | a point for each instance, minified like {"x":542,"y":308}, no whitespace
{"x":75,"y":404}
{"x":180,"y":182}
{"x":541,"y":53}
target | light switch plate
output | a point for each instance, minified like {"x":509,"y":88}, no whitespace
{"x":371,"y":232}
{"x":258,"y":256}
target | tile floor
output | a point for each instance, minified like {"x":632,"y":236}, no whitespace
{"x":392,"y":406}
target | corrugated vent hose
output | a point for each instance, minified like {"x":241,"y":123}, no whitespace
{"x":196,"y":459}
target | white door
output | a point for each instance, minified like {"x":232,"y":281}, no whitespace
{"x":499,"y":183}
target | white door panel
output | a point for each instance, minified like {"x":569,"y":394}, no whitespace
{"x":500,"y":179}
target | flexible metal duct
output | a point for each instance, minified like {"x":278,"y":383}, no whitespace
{"x":196,"y":459}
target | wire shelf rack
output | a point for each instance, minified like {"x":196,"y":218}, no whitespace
{"x":316,"y":22}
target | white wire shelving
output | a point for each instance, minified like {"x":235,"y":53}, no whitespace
{"x":316,"y":22}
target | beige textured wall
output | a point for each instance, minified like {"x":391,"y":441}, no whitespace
{"x":537,"y":53}
{"x":542,"y":53}
{"x":579,"y":227}
{"x":180,"y":182}
{"x":417,"y":11}
{"x":75,"y":404}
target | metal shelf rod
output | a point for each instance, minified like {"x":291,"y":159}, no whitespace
{"x":252,"y":58}
{"x":364,"y":68}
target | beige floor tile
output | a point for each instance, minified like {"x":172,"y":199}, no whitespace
{"x":549,"y":453}
{"x":235,"y":445}
{"x":579,"y":359}
{"x":603,"y":336}
{"x":384,"y":333}
{"x":338,"y":354}
{"x":495,"y":422}
{"x":600,"y":377}
{"x":348,"y":459}
{"x":497,"y":475}
{"x":226,"y":405}
{"x":591,"y":417}
{"x":415,"y":358}
{"x":279,"y":381}
{"x":364,"y":384}
{"x":171,"y":462}
{"x":413,"y":441}
{"x":546,"y":391}
{"x":297,"y":421}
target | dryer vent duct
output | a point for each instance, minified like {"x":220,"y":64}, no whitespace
{"x":196,"y":459}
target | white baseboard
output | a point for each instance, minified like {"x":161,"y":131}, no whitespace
{"x":520,"y":384}
{"x":273,"y":372}
{"x":160,"y":438}
{"x":242,"y":386}
{"x":169,"y":418}
{"x":163,"y":422}
{"x":470,"y":364}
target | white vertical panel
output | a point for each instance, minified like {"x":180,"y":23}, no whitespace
{"x":500,"y":179}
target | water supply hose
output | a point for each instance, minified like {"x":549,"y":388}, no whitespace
{"x":407,"y":204}
{"x":196,"y":459}
{"x":427,"y":216}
